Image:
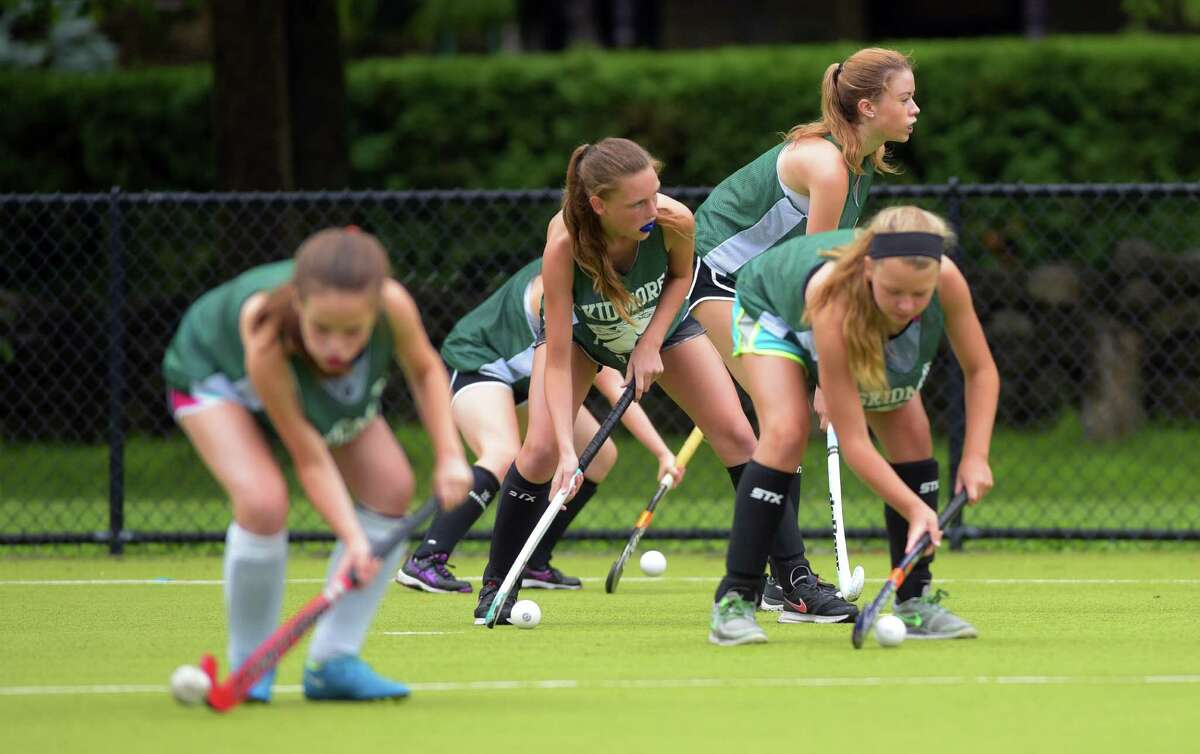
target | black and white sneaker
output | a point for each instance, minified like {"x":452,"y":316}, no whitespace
{"x":487,"y":593}
{"x":811,"y":600}
{"x":548,"y":578}
{"x":431,"y":573}
{"x":772,"y":597}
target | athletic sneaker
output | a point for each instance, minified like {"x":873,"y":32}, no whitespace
{"x":926,"y":618}
{"x":548,"y":578}
{"x":431,"y":573}
{"x":772,"y":596}
{"x":487,"y":593}
{"x":260,"y":692}
{"x":347,"y":678}
{"x":811,"y":600}
{"x":733,"y":622}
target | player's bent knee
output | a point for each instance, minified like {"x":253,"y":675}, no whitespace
{"x":395,"y":501}
{"x":736,"y":436}
{"x":537,"y":459}
{"x":786,"y":440}
{"x":262,"y":511}
{"x":498,"y":456}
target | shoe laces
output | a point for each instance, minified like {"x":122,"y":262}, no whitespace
{"x":734,"y":605}
{"x":935,"y":600}
{"x":440,"y":562}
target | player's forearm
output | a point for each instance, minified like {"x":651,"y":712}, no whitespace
{"x":982,"y":395}
{"x":559,"y":401}
{"x":674,"y":292}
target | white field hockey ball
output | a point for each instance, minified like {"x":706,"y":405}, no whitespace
{"x":653,"y":563}
{"x":190,"y":685}
{"x":525,"y":614}
{"x":890,"y":631}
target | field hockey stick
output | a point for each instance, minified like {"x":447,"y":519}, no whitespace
{"x":851,"y":586}
{"x":232,"y":691}
{"x":866,"y":619}
{"x":543,"y":524}
{"x":643,"y":523}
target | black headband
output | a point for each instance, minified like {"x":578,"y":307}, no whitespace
{"x":906,"y":245}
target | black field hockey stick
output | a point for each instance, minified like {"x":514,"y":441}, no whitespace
{"x":643,"y":523}
{"x":866,"y":619}
{"x":543,"y":524}
{"x":227,"y":694}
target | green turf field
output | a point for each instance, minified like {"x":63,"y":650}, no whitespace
{"x":1079,"y":652}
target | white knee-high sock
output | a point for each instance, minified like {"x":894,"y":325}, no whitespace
{"x":342,"y":630}
{"x":255,"y":568}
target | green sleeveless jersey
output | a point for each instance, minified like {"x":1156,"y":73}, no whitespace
{"x":206,"y":357}
{"x":751,"y":211}
{"x":770,"y":290}
{"x":496,"y":338}
{"x":598,"y":328}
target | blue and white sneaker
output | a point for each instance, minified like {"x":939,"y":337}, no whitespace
{"x":348,"y":678}
{"x":260,"y":692}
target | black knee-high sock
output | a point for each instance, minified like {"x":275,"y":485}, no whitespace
{"x":449,"y":527}
{"x":521,"y":502}
{"x":761,"y":502}
{"x":922,"y":478}
{"x":735,"y":475}
{"x":540,"y":559}
{"x":787,"y":551}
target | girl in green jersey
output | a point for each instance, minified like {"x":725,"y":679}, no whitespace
{"x":615,"y":273}
{"x":490,"y":353}
{"x":861,"y":317}
{"x":304,"y":346}
{"x":816,"y":180}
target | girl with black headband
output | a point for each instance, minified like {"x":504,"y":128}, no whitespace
{"x":815,"y":180}
{"x":859,"y":313}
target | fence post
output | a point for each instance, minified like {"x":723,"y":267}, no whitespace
{"x":956,"y":531}
{"x":116,"y":373}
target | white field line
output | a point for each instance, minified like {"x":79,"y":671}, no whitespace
{"x":590,"y":579}
{"x":675,"y":683}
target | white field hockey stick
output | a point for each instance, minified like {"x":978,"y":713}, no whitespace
{"x":543,"y":524}
{"x":851,"y":586}
{"x":643,"y":522}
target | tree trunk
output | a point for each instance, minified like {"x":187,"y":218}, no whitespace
{"x":317,"y":92}
{"x":250,"y":95}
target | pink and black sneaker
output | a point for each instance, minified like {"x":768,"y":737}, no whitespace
{"x":548,"y":578}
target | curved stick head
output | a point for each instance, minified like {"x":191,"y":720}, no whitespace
{"x":857,"y":582}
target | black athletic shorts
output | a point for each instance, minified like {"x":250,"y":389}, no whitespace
{"x":708,"y":284}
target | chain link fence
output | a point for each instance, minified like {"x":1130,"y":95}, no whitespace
{"x":1089,"y":295}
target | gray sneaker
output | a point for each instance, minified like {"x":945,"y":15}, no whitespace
{"x":733,"y":622}
{"x":926,"y":618}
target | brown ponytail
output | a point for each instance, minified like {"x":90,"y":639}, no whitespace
{"x":865,"y":327}
{"x":864,"y":75}
{"x":594,"y":170}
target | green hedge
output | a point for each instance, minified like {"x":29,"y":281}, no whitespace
{"x":1061,"y":110}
